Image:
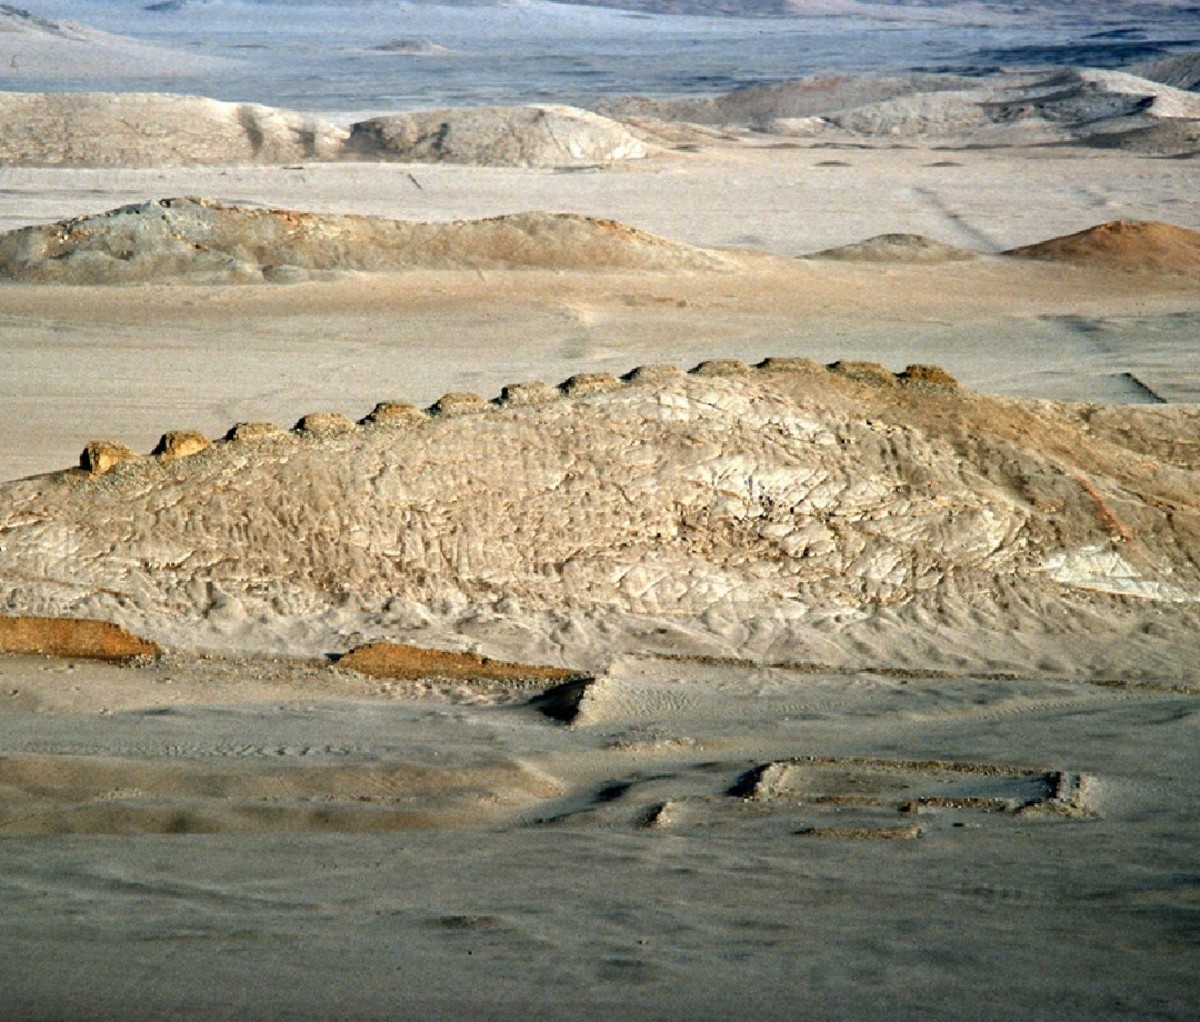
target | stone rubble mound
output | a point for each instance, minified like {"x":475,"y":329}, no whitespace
{"x":896,"y":248}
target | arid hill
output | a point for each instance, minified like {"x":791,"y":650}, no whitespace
{"x":758,"y":106}
{"x":790,"y":512}
{"x":151,"y":129}
{"x":520,"y":136}
{"x":1133,"y":245}
{"x":195,"y":240}
{"x":896,"y":248}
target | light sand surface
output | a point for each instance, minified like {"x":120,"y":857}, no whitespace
{"x":636,"y":862}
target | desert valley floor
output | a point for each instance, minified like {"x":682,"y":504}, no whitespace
{"x":751,"y":576}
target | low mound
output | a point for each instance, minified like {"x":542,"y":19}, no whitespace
{"x":913,"y":785}
{"x":522,"y":136}
{"x":413,"y":48}
{"x":68,"y":637}
{"x":145,"y":129}
{"x":896,"y":248}
{"x":195,"y":240}
{"x":1145,"y":246}
{"x":788,"y":513}
{"x":78,"y":794}
{"x":393,"y":660}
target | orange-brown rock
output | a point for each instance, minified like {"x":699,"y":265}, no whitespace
{"x":69,"y":637}
{"x":392,"y":660}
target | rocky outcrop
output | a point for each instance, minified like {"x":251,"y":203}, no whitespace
{"x":153,"y":129}
{"x":520,"y":136}
{"x":1067,"y":105}
{"x":1181,"y":70}
{"x":761,"y":106}
{"x":734,"y":509}
{"x":1063,"y":105}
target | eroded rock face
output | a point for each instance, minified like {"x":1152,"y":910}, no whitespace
{"x":737,"y":510}
{"x":521,"y":136}
{"x":195,"y":240}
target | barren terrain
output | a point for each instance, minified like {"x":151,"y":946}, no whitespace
{"x":740,"y":561}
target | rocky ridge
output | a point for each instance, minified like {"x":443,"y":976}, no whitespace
{"x":790,"y":512}
{"x":1069,"y":106}
{"x":200,"y":241}
{"x":153,"y":129}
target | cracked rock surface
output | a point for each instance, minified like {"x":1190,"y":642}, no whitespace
{"x":783,"y":515}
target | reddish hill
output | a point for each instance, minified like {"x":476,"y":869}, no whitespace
{"x":1148,"y":246}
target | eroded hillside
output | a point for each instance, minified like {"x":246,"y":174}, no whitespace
{"x":729,"y":510}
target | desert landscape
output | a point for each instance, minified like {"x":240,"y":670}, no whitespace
{"x":678,"y":510}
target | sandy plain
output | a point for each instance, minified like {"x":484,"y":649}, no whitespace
{"x":359,"y":848}
{"x":1004,"y":825}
